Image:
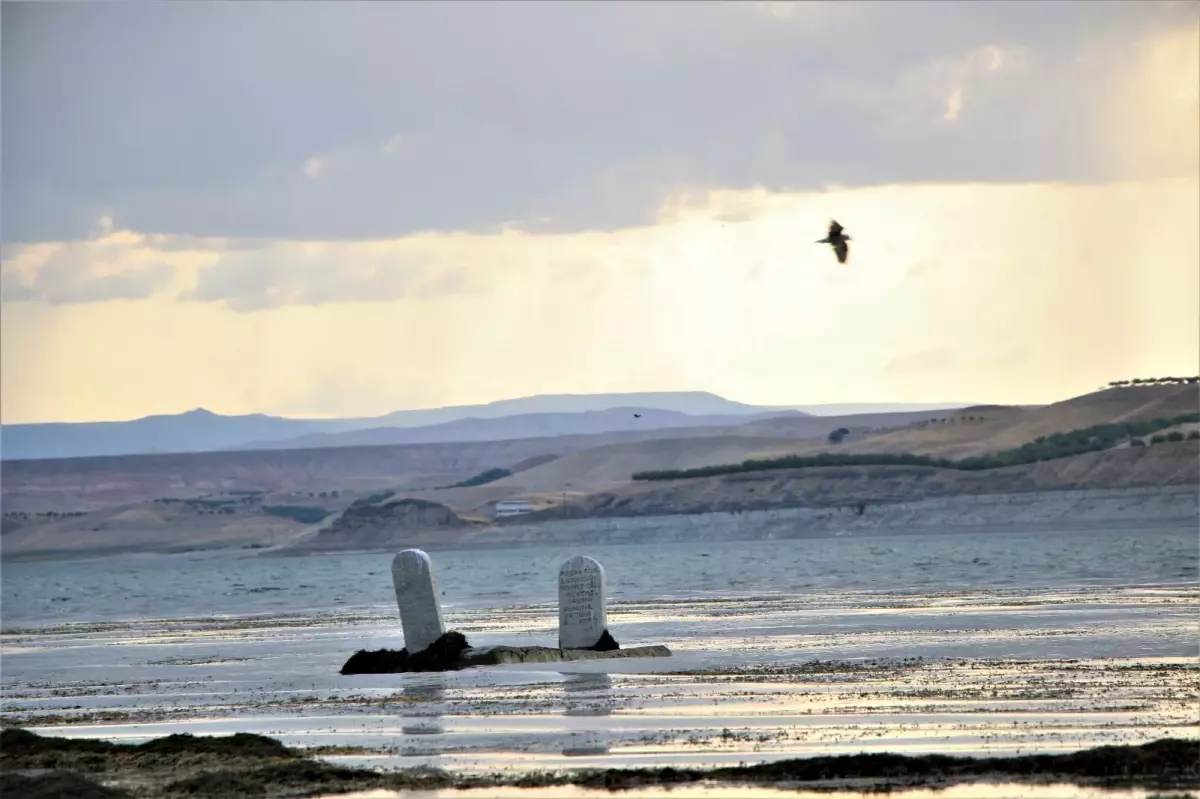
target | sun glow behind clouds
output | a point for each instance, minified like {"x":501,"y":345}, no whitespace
{"x":1025,"y":292}
{"x":977,"y":291}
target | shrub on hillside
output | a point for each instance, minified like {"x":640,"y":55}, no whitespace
{"x":297,"y":513}
{"x":483,"y":478}
{"x":1059,"y":445}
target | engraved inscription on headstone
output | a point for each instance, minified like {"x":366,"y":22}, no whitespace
{"x":581,"y":595}
{"x":416,"y":595}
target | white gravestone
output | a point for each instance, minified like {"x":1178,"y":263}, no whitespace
{"x":416,"y":594}
{"x":581,"y":595}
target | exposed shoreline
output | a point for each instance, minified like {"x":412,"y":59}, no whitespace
{"x":1147,"y":507}
{"x":246,"y":764}
{"x":1167,"y":507}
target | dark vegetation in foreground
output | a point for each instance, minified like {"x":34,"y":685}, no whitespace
{"x":1060,"y":445}
{"x":253,"y":765}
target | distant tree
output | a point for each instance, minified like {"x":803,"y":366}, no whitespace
{"x":1136,"y":442}
{"x":1158,"y":439}
{"x":1175,"y":436}
{"x":1194,"y":435}
{"x":1059,"y":445}
{"x":837,"y":435}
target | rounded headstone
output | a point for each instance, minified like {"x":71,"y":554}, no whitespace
{"x":582,"y":618}
{"x":416,"y":596}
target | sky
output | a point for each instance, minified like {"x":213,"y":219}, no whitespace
{"x":349,"y":208}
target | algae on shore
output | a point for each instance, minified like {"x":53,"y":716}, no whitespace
{"x":254,"y":765}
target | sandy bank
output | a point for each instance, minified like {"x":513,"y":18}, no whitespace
{"x":1169,"y":506}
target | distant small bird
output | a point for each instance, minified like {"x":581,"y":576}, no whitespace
{"x":637,"y":416}
{"x":837,"y":240}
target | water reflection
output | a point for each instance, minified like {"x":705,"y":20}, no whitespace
{"x":588,"y":695}
{"x":424,"y":700}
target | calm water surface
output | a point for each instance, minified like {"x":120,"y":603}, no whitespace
{"x":223,"y":584}
{"x":1013,"y":642}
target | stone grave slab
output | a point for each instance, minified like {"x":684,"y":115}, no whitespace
{"x":582,"y":616}
{"x":417,"y":598}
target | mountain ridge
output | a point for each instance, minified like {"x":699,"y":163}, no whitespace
{"x":202,"y":430}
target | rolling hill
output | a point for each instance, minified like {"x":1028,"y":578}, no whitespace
{"x":121,"y":502}
{"x":201,"y":430}
{"x":529,"y":425}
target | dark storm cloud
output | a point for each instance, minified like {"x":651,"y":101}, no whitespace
{"x":273,"y":119}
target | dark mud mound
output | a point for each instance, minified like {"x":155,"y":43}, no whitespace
{"x":241,"y":744}
{"x":606,"y":643}
{"x":21,"y":749}
{"x":310,"y":777}
{"x":442,"y":655}
{"x":380,"y":661}
{"x":1168,"y":763}
{"x":205,"y":768}
{"x":15,"y":743}
{"x":1171,"y":757}
{"x":56,"y":785}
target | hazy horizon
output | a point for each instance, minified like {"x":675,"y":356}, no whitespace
{"x":332,"y":210}
{"x":931,"y":405}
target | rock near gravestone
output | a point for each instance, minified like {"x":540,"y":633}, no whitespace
{"x":416,"y":595}
{"x":582,"y":619}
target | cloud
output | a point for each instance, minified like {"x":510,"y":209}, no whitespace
{"x":199,"y":119}
{"x":937,"y":89}
{"x":1103,"y":281}
{"x":395,"y":145}
{"x":72,"y":273}
{"x":313,"y":167}
{"x":316,"y":274}
{"x":953,"y":105}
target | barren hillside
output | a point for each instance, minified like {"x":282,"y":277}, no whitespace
{"x":133,"y":502}
{"x":975,"y":431}
{"x":1162,"y":464}
{"x":154,"y":527}
{"x":89,"y":483}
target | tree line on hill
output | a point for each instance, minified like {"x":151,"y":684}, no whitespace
{"x":1155,"y":381}
{"x":1059,"y":445}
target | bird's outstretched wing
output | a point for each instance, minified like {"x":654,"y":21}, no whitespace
{"x":843,"y":251}
{"x":835,"y":229}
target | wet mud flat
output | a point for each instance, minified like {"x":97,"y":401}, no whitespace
{"x":183,"y":765}
{"x":751,"y":680}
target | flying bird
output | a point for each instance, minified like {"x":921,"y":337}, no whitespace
{"x":637,"y":416}
{"x":837,"y":240}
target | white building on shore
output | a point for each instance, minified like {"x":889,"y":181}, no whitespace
{"x":513,"y":507}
